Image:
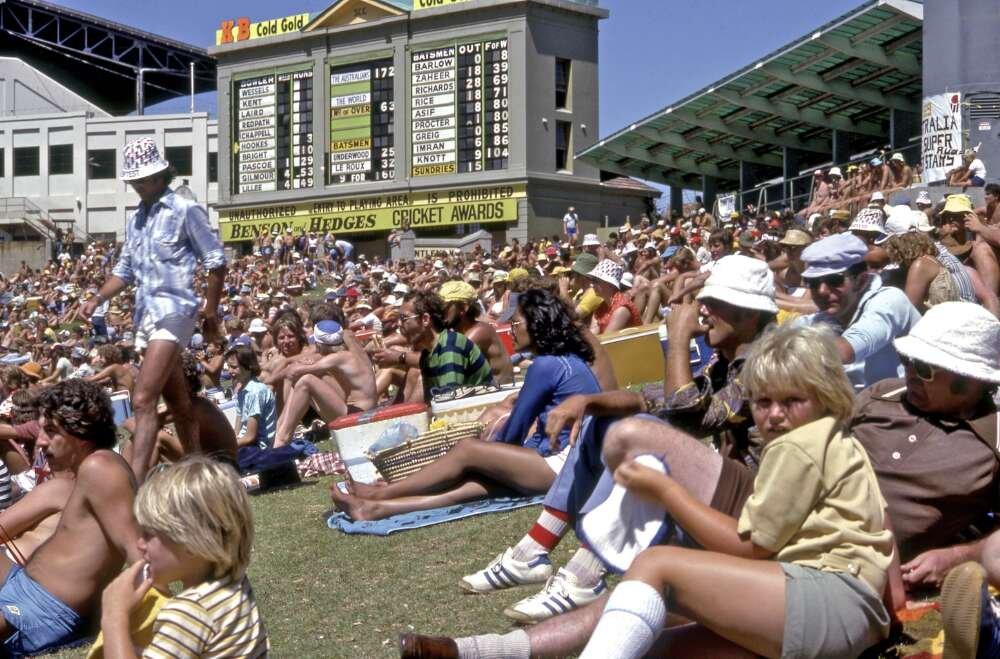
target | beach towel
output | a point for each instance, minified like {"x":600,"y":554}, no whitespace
{"x":423,"y":518}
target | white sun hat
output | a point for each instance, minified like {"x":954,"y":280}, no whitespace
{"x":900,"y":221}
{"x":591,"y":240}
{"x":959,"y":337}
{"x":629,"y":248}
{"x":628,"y":280}
{"x":742,"y":282}
{"x":141,"y":158}
{"x":257,"y":326}
{"x":609,"y":272}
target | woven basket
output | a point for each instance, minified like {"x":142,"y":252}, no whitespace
{"x":398,"y":462}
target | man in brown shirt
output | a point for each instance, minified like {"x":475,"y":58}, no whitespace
{"x":933,"y":438}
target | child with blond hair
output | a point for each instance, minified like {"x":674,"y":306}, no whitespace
{"x":197,"y":529}
{"x":803,"y":570}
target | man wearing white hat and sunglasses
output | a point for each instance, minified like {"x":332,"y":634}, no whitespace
{"x":933,"y":438}
{"x":165,"y":238}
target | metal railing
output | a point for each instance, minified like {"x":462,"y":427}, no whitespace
{"x":779,"y":193}
{"x":33,"y":215}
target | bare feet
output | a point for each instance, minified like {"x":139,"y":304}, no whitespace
{"x":364,"y":490}
{"x":356,"y":508}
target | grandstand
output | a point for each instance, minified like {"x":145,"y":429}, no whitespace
{"x":848,"y":88}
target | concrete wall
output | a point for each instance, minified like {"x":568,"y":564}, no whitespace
{"x":962,"y":34}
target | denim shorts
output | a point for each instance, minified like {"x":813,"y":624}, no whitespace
{"x":40,"y":620}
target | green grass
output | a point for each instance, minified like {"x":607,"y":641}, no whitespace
{"x":326,"y":594}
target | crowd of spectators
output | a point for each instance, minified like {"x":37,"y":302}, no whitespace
{"x":838,"y":448}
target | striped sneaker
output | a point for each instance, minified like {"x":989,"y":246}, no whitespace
{"x":505,"y":572}
{"x":561,"y":594}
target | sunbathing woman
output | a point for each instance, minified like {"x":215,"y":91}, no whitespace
{"x":809,"y":555}
{"x":526,"y":463}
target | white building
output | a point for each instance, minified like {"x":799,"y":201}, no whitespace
{"x":63,"y":124}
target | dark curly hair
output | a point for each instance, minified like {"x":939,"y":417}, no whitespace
{"x":551,"y":324}
{"x":430,"y":304}
{"x":192,"y":371}
{"x":82,"y":409}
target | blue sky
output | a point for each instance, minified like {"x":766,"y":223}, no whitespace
{"x":652,"y":52}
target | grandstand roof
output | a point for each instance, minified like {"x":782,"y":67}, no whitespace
{"x":846,"y":75}
{"x":99,"y":59}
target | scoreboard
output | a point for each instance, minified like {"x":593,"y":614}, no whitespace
{"x":272,"y":131}
{"x":362,"y":111}
{"x":460,"y":114}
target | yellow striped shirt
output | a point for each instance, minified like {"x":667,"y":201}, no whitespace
{"x":212,"y":619}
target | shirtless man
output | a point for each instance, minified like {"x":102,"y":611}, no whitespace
{"x":342,"y":360}
{"x":218,"y":439}
{"x":116,"y":373}
{"x":290,"y":347}
{"x":31,"y":521}
{"x":461,"y":313}
{"x":46,"y":603}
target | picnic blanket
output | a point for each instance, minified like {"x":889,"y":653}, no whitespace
{"x":423,"y":518}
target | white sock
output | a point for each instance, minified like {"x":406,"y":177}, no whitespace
{"x":512,"y":645}
{"x":631,"y":622}
{"x":586,"y":567}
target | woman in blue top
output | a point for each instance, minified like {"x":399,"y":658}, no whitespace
{"x":527,"y":463}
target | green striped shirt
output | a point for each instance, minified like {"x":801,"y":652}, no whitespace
{"x":454,"y":361}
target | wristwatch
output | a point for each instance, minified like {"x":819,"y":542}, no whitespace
{"x":402,"y":358}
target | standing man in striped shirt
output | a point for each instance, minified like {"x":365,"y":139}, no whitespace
{"x":446,"y":359}
{"x":165,"y":239}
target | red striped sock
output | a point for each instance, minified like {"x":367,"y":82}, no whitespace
{"x":543,"y":537}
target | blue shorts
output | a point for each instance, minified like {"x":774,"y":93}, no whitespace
{"x":976,"y":181}
{"x":40,"y":620}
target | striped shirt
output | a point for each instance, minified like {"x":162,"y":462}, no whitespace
{"x":162,"y":247}
{"x":453,"y":362}
{"x":963,"y":282}
{"x":212,"y":619}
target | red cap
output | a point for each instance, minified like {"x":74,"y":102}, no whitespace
{"x":352,"y":292}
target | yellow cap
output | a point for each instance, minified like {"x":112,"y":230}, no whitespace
{"x":457,"y":291}
{"x":560,"y":270}
{"x":957,"y":203}
{"x":517,"y":273}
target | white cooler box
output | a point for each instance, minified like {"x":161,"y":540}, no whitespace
{"x":354,"y":433}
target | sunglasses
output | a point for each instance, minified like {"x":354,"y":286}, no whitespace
{"x":832,"y":281}
{"x":923,"y":370}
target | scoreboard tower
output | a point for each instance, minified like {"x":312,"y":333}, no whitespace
{"x":452,"y":116}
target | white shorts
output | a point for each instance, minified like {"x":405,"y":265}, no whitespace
{"x":557,"y":461}
{"x":174,"y":328}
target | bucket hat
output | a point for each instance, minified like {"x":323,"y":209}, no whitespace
{"x":869,"y":219}
{"x":742,"y":282}
{"x":959,"y":337}
{"x":609,"y":272}
{"x":141,"y":158}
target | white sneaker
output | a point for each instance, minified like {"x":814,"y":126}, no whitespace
{"x":561,"y":594}
{"x":505,"y":571}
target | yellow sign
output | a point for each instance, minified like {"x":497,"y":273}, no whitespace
{"x":434,"y":4}
{"x":435,"y":208}
{"x":243,"y":30}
